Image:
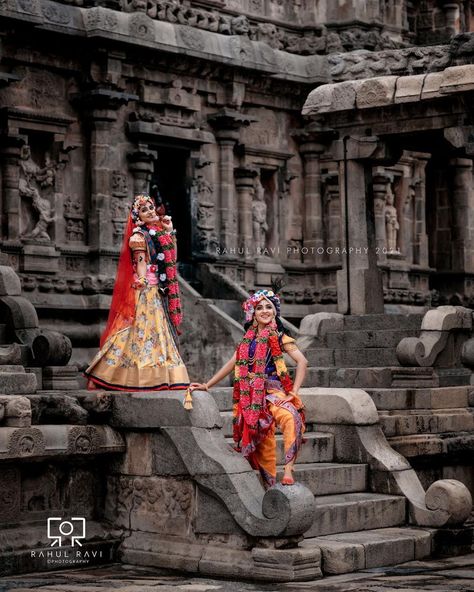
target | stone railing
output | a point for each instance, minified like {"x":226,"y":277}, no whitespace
{"x":439,"y":327}
{"x":186,"y":500}
{"x":351,"y":415}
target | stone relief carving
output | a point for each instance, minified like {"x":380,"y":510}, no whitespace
{"x":202,"y":191}
{"x":152,"y":494}
{"x":9,"y":493}
{"x":259,"y":217}
{"x":34,"y":180}
{"x":366,"y":64}
{"x":120,"y":209}
{"x":74,"y":218}
{"x":392,"y":225}
{"x":25,"y":442}
{"x":83,"y":440}
{"x":41,"y":492}
{"x":316,"y":40}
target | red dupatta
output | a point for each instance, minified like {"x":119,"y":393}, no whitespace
{"x":122,"y":308}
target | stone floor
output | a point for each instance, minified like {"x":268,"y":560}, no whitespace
{"x":444,"y":575}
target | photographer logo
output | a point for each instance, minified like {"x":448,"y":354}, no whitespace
{"x":74,"y":529}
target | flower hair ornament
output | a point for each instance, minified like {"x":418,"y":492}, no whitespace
{"x":140,"y":200}
{"x":250,"y":304}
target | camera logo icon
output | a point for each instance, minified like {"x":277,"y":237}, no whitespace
{"x":75,"y":529}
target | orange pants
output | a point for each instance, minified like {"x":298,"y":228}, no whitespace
{"x":292,"y":428}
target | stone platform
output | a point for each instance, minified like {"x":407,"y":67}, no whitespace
{"x":441,"y":575}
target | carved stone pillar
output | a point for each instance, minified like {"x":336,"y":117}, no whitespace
{"x":332,"y":216}
{"x":244,"y":181}
{"x":141,"y":165}
{"x":462,"y":211}
{"x":313,"y":218}
{"x":227,"y":124}
{"x":10,"y":208}
{"x":101,"y":108}
{"x":380,"y":183}
{"x":420,"y":243}
{"x":359,"y":283}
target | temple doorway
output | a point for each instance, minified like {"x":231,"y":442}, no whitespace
{"x":172,"y":181}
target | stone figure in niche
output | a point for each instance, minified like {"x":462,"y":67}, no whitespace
{"x":259,"y":217}
{"x":33,"y":181}
{"x":391,"y":221}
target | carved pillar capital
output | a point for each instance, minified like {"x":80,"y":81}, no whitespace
{"x":102,"y":104}
{"x":245,"y":177}
{"x":141,"y":164}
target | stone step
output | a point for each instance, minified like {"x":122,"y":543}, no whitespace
{"x":353,"y":551}
{"x":421,"y":398}
{"x":331,"y":478}
{"x":359,"y":357}
{"x":350,"y":512}
{"x":318,"y":448}
{"x":373,"y":377}
{"x":372,"y":322}
{"x":376,"y":338}
{"x":422,"y":445}
{"x":426,"y":421}
{"x":17,"y":383}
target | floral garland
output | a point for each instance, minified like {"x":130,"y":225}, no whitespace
{"x":166,"y":261}
{"x":249,"y":392}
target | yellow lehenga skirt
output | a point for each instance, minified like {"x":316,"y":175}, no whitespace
{"x":143,"y":356}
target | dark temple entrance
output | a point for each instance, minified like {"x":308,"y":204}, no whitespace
{"x":172,"y":179}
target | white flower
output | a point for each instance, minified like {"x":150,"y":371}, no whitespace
{"x":162,"y":277}
{"x":161,"y":256}
{"x":152,"y":232}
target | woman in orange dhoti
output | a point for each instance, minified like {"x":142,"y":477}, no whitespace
{"x":264,"y":395}
{"x":138,"y":349}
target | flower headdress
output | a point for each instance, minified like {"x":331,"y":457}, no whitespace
{"x":141,"y":199}
{"x":250,"y":304}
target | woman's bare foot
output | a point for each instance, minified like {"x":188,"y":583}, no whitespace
{"x":288,"y":478}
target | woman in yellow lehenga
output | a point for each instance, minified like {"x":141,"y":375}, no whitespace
{"x":264,"y":395}
{"x":138,"y":349}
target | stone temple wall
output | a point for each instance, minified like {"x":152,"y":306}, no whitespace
{"x":201,"y":102}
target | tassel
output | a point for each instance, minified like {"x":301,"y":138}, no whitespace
{"x":188,"y":400}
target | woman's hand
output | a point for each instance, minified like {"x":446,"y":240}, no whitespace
{"x":198,"y":386}
{"x":166,"y":223}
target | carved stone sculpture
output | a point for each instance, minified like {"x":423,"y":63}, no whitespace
{"x":34,"y":179}
{"x":259,"y":217}
{"x":392,"y":225}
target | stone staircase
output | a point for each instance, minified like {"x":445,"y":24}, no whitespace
{"x":354,"y":528}
{"x":426,"y":413}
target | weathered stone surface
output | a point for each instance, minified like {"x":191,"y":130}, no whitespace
{"x":9,"y":282}
{"x":55,"y":440}
{"x":356,"y":511}
{"x":376,"y":92}
{"x":330,"y":97}
{"x":458,"y":79}
{"x":330,"y":478}
{"x":409,"y":88}
{"x":431,"y":87}
{"x":16,"y":411}
{"x":320,"y":323}
{"x":447,"y":318}
{"x":338,"y":406}
{"x":452,"y":497}
{"x":148,"y":410}
{"x":17,"y":383}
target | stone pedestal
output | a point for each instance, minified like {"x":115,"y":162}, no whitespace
{"x":40,"y":258}
{"x":60,"y":378}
